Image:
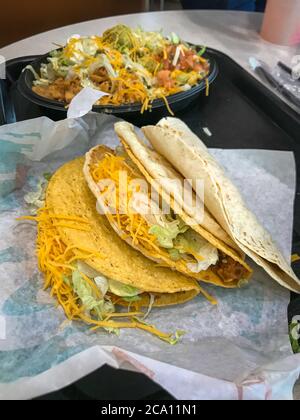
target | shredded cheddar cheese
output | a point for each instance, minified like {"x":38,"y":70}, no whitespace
{"x":207,"y":87}
{"x":129,"y":223}
{"x":56,"y":261}
{"x":167,"y":105}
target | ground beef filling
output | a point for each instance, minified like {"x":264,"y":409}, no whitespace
{"x":229,"y":270}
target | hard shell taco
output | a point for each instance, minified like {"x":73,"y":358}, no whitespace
{"x":174,"y":240}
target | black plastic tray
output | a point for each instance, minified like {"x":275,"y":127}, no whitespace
{"x":241,"y":113}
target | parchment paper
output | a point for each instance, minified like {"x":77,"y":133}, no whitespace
{"x":237,"y":350}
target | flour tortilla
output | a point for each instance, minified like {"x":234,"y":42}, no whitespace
{"x":159,"y":169}
{"x":68,"y":194}
{"x":188,"y":154}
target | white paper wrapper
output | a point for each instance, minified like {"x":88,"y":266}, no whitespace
{"x":237,"y":350}
{"x":84,"y":101}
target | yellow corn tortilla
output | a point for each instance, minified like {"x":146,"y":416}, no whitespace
{"x":192,"y":159}
{"x":161,"y":299}
{"x":68,"y":194}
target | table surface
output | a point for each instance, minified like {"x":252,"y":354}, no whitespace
{"x":233,"y":33}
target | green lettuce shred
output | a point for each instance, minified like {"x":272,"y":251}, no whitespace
{"x":294,"y":342}
{"x":132,"y":299}
{"x":166,"y":234}
{"x":36,"y":199}
{"x":86,"y":294}
{"x":202,"y":51}
{"x":123,"y":290}
{"x":174,"y":254}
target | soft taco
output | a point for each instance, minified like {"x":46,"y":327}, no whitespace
{"x":189,"y":155}
{"x":173,"y":240}
{"x":90,"y":270}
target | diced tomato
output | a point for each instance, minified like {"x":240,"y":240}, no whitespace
{"x":187,"y":61}
{"x":164,"y":79}
{"x":198,"y":67}
{"x":166,"y":64}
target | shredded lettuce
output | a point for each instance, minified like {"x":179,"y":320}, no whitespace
{"x":150,"y":307}
{"x":174,"y":254}
{"x":102,"y":284}
{"x":86,"y":294}
{"x":177,"y":336}
{"x":100,"y":308}
{"x":164,"y":235}
{"x":47,"y":176}
{"x":123,"y":290}
{"x":150,"y":64}
{"x":175,"y":38}
{"x":125,"y":39}
{"x":294,"y":328}
{"x":30,"y":68}
{"x":154,"y":41}
{"x":243,"y":283}
{"x":120,"y":37}
{"x":103,"y":61}
{"x":132,"y":299}
{"x":183,"y":78}
{"x":36,"y":199}
{"x":87,"y":270}
{"x":168,"y":231}
{"x":202,"y":51}
{"x":173,"y":339}
{"x":89,"y":45}
{"x":177,"y":56}
{"x":47,"y":72}
{"x":67,"y":281}
{"x":59,"y":64}
{"x":179,"y":240}
{"x":205,"y":253}
{"x":120,"y":152}
{"x":138,"y":69}
{"x":105,"y":284}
